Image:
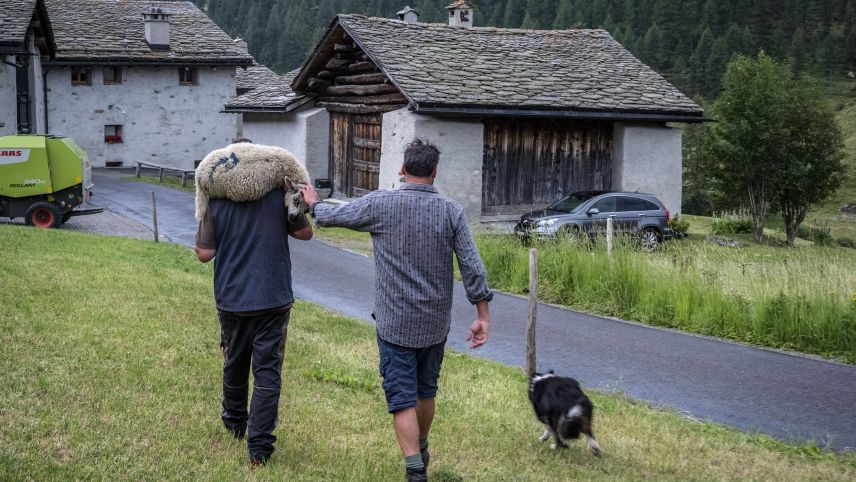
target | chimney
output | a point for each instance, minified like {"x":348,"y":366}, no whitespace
{"x":408,"y":15}
{"x":157,"y":28}
{"x":241,"y":43}
{"x":460,"y":14}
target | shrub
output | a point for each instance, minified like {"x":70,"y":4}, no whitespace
{"x":733,"y":222}
{"x":816,"y":234}
{"x":679,"y":224}
{"x":846,"y":242}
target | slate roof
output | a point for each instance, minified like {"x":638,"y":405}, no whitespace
{"x":253,"y":76}
{"x":15,"y":17}
{"x":275,"y":95}
{"x":437,"y":66}
{"x":113,"y":31}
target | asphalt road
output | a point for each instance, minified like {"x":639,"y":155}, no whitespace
{"x":787,"y":396}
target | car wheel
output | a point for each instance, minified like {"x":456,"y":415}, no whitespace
{"x":650,"y":239}
{"x":43,"y":215}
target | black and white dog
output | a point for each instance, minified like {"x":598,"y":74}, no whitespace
{"x":563,"y":408}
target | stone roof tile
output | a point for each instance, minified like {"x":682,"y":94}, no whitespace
{"x":113,"y":31}
{"x":584,"y":69}
{"x":274,"y":95}
{"x":15,"y":17}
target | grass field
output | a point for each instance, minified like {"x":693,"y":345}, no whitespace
{"x":111,"y":370}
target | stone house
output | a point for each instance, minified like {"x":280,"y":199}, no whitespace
{"x":521,"y":117}
{"x":26,"y":39}
{"x":131,"y":81}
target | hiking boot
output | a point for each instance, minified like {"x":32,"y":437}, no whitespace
{"x":417,"y":475}
{"x":426,"y":457}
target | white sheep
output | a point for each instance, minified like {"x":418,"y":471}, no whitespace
{"x":246,"y":172}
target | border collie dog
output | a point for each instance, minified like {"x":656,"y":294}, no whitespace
{"x":563,"y":408}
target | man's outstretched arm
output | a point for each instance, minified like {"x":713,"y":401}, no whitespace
{"x":356,"y":215}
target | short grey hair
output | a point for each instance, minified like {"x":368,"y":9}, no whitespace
{"x":421,"y":158}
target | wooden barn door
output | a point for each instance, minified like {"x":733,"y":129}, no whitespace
{"x":355,"y":147}
{"x":530,"y":163}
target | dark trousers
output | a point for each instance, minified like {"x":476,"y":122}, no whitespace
{"x":259,"y":339}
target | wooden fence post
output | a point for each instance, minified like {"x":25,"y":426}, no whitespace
{"x":609,"y":235}
{"x":155,"y":216}
{"x":161,"y":175}
{"x":533,"y":308}
{"x":183,"y":178}
{"x":139,"y":168}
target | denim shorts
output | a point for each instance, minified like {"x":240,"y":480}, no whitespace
{"x":409,"y":374}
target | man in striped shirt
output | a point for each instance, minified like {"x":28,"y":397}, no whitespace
{"x":415,"y":231}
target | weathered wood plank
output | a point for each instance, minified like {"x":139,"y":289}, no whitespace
{"x":360,"y":108}
{"x":370,"y":99}
{"x":367,"y":143}
{"x":359,"y":90}
{"x":316,"y":84}
{"x":375,"y":78}
{"x":533,"y":162}
{"x":336,"y":64}
{"x":344,"y":48}
{"x":364,"y":66}
{"x":326,"y":75}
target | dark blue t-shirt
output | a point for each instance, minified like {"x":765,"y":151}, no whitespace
{"x":252,"y":269}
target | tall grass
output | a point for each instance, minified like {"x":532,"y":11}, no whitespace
{"x":802,"y":302}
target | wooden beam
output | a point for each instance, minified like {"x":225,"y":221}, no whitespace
{"x":318,"y":84}
{"x":335,"y":64}
{"x":371,"y":99}
{"x":326,"y":74}
{"x":360,"y":108}
{"x":376,"y":78}
{"x":367,"y":143}
{"x":362,"y":67}
{"x":343,"y":48}
{"x":359,"y":90}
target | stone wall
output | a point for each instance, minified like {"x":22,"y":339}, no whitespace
{"x":461,"y":144}
{"x":305,"y":132}
{"x":162,"y":122}
{"x":8,"y":92}
{"x":648,"y":158}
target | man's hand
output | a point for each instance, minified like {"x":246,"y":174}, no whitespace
{"x":478,"y":333}
{"x":310,"y":195}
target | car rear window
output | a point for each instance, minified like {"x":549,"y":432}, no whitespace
{"x":626,"y":203}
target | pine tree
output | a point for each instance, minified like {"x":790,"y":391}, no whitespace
{"x":564,"y":16}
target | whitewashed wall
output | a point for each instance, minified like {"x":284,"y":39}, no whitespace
{"x":305,"y":132}
{"x":163,"y":122}
{"x":8,"y":92}
{"x":648,"y":158}
{"x":461,"y":145}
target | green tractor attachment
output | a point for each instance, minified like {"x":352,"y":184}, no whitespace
{"x":43,"y":178}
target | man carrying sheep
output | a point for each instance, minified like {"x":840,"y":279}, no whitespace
{"x":248,"y":235}
{"x":415,"y":231}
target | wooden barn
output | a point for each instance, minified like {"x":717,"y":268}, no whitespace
{"x":521,"y":117}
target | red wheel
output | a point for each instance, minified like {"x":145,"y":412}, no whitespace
{"x":42,"y":215}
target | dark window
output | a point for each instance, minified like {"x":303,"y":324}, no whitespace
{"x":605,"y":205}
{"x":112,"y":75}
{"x":451,"y":13}
{"x":113,"y":134}
{"x":80,"y":76}
{"x":187,"y":76}
{"x":635,"y":204}
{"x":465,"y":15}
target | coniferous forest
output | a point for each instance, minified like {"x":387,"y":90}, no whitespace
{"x":688,"y":41}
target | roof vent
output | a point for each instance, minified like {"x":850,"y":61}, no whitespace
{"x":241,"y":43}
{"x":408,"y":15}
{"x":460,"y":14}
{"x":157,"y":28}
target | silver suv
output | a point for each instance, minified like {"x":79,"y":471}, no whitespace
{"x":585,"y":213}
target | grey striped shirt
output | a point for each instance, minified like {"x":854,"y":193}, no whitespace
{"x":414,"y":230}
